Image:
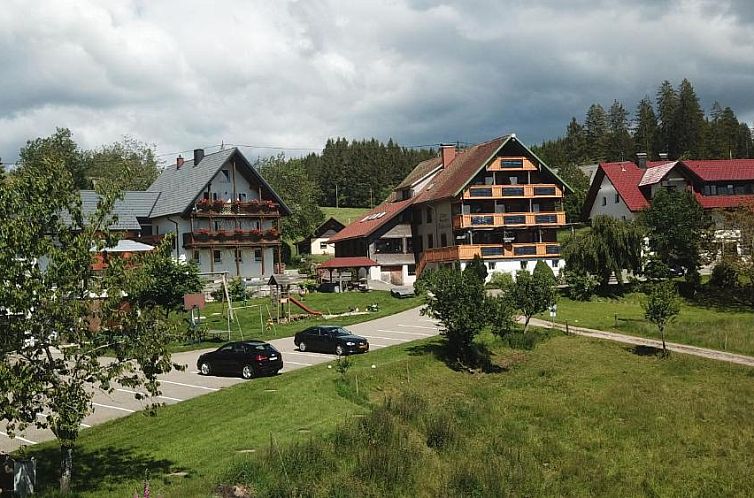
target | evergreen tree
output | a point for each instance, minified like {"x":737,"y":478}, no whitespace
{"x":596,"y":130}
{"x":689,"y":123}
{"x":620,"y":144}
{"x":575,"y":143}
{"x":667,"y":106}
{"x":579,"y":182}
{"x":646,"y":132}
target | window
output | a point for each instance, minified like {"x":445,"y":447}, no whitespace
{"x":410,"y":245}
{"x":217,"y":224}
{"x":617,"y":198}
{"x":443,"y":240}
{"x":524,"y":265}
{"x":226,"y":176}
{"x":490,"y":266}
{"x":197,"y":256}
{"x":554,"y":263}
{"x":214,"y":196}
{"x":239,"y":256}
{"x":217,"y":255}
{"x":323,"y":245}
{"x":242,"y":196}
{"x":388,"y":246}
{"x":411,"y":269}
{"x":429,"y":215}
{"x":604,"y":201}
{"x":430,"y":241}
{"x":257,"y":255}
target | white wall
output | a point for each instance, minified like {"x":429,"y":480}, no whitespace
{"x":247,"y":267}
{"x":316,"y":249}
{"x":442,"y":223}
{"x":674,"y":178}
{"x":512,"y":266}
{"x":611,"y":208}
{"x":224,"y":188}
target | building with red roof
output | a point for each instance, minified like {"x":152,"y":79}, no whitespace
{"x":623,"y":189}
{"x":496,"y":200}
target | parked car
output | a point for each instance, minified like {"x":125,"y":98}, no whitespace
{"x":330,"y":339}
{"x":250,"y":359}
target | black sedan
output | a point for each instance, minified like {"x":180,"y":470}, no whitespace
{"x":249,"y":358}
{"x":330,"y":339}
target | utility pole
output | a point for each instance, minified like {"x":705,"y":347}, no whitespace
{"x":336,"y":195}
{"x":371,"y":201}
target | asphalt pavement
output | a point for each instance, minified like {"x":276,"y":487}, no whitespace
{"x":178,"y":386}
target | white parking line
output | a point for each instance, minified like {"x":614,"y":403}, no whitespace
{"x":146,"y":396}
{"x":421,"y":334}
{"x":19,"y":438}
{"x":417,"y":326}
{"x":114,"y":407}
{"x":300,"y":364}
{"x":85,"y":426}
{"x":316,"y":355}
{"x":381,"y":337}
{"x":189,"y":385}
{"x":373,"y":345}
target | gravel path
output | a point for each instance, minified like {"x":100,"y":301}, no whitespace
{"x":712,"y":354}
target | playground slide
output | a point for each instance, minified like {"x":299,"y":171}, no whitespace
{"x":304,"y":307}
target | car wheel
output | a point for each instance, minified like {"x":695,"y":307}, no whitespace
{"x":302,"y":346}
{"x":339,"y":350}
{"x":205,"y":369}
{"x":247,"y":372}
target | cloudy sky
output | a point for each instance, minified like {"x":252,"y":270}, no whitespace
{"x":191,"y":73}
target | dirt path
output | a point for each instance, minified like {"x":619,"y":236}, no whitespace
{"x":712,"y":354}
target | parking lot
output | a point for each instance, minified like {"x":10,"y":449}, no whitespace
{"x":178,"y":386}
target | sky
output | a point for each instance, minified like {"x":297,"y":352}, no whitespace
{"x":184,"y":74}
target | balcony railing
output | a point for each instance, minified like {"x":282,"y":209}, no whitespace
{"x":511,"y":164}
{"x":254,"y":207}
{"x":466,"y":252}
{"x":493,"y":220}
{"x":231,"y":237}
{"x":512,"y":191}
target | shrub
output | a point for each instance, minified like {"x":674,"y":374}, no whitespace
{"x":501,"y":280}
{"x":544,"y":272}
{"x":581,"y":286}
{"x":477,"y":267}
{"x":724,"y":275}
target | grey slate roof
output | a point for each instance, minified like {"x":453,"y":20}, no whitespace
{"x":134,"y":204}
{"x":180,"y":187}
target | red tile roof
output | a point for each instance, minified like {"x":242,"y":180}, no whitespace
{"x":722,"y":169}
{"x":372,"y":220}
{"x":625,"y":177}
{"x":350,"y":262}
{"x":724,"y":201}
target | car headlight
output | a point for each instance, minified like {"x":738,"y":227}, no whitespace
{"x":350,"y":343}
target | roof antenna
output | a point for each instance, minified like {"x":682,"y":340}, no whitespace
{"x":222,"y":144}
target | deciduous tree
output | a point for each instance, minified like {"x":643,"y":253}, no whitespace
{"x":57,"y":316}
{"x":661,"y":307}
{"x":532,"y":294}
{"x":129,"y":162}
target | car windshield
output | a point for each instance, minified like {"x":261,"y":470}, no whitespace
{"x":340,"y":332}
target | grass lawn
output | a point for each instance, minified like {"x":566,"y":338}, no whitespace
{"x":344,"y":215}
{"x":573,"y":417}
{"x":709,"y":325}
{"x":328,"y":303}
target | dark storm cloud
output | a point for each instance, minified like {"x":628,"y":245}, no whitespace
{"x":293,"y":73}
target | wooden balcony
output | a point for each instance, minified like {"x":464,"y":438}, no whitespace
{"x":489,"y":251}
{"x":254,"y":209}
{"x":511,"y":164}
{"x":251,"y":238}
{"x":514,"y":220}
{"x":534,"y":191}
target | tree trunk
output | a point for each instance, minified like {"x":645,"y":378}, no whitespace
{"x":66,"y":467}
{"x":662,"y":334}
{"x":526,"y":323}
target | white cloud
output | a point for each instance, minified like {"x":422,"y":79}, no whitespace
{"x":190,"y":73}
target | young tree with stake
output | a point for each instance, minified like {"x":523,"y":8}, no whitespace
{"x":661,"y":308}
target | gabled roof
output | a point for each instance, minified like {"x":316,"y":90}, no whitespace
{"x":625,"y":177}
{"x":372,"y":220}
{"x":716,"y":170}
{"x":133,"y":205}
{"x":329,"y":224}
{"x":419,"y":172}
{"x":453,"y":178}
{"x":181,"y":186}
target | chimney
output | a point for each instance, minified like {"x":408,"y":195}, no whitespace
{"x":178,"y":162}
{"x":663,"y":156}
{"x":198,"y":156}
{"x":642,"y":159}
{"x":447,"y":153}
